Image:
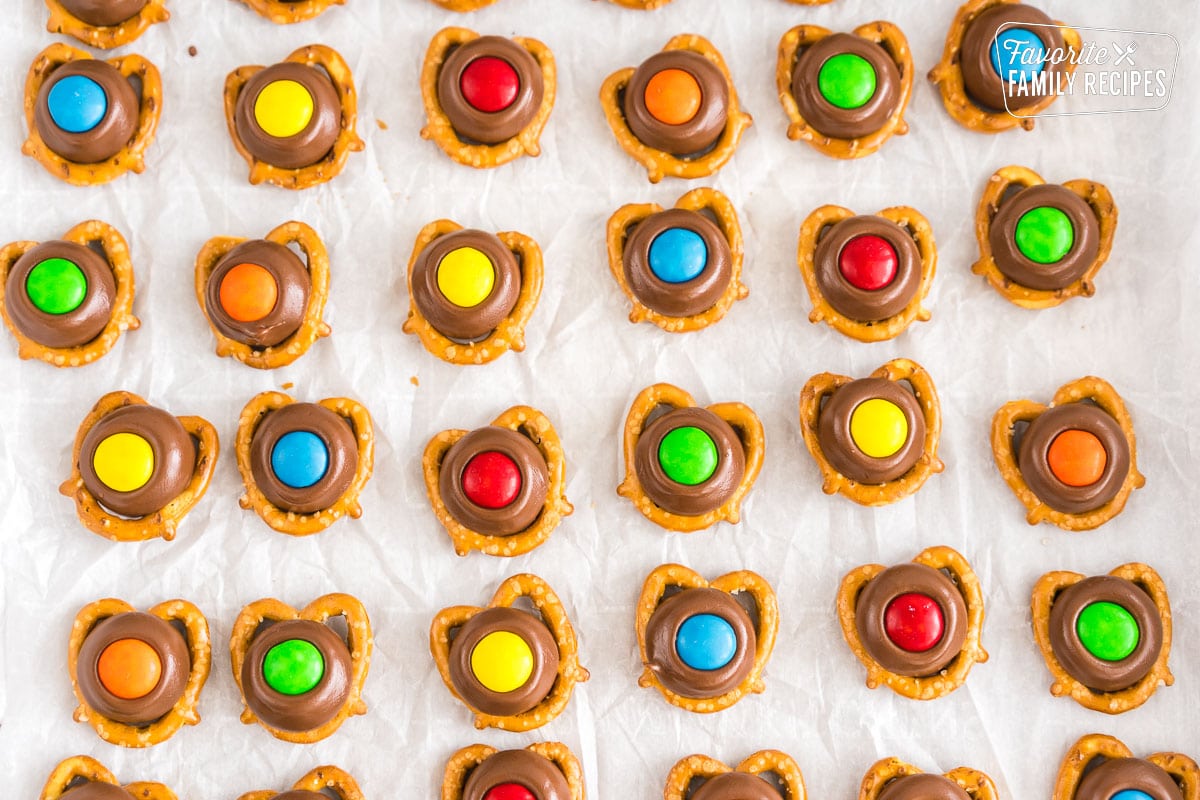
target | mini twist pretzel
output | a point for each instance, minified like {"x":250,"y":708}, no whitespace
{"x":291,"y":522}
{"x":1044,"y":593}
{"x":821,"y":386}
{"x":132,"y":156}
{"x":547,"y":604}
{"x":954,"y":673}
{"x":70,"y":771}
{"x":1090,"y":388}
{"x":702,"y":199}
{"x":976,"y":784}
{"x":468,"y":758}
{"x":116,"y":253}
{"x":163,"y":522}
{"x":439,"y":127}
{"x":764,"y":761}
{"x":358,"y":641}
{"x":183,"y":712}
{"x":510,"y":333}
{"x":105,"y":37}
{"x":347,"y":142}
{"x":537,"y":428}
{"x":1098,"y":198}
{"x":285,"y":12}
{"x":948,"y":77}
{"x":884,"y":34}
{"x":669,"y":575}
{"x":659,"y":163}
{"x":740,"y":417}
{"x":907,"y":218}
{"x":312,"y":328}
{"x":1097,"y":745}
{"x":320,"y":779}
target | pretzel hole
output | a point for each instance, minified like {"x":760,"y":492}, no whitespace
{"x":694,"y":785}
{"x":1019,"y":427}
{"x":97,"y":247}
{"x":75,"y":782}
{"x":748,"y":602}
{"x":670,"y":591}
{"x":525,"y":603}
{"x":656,"y":412}
{"x":295,"y":247}
{"x":340,"y":626}
{"x":824,"y":230}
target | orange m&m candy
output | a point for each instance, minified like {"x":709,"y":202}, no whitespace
{"x":1077,"y":457}
{"x":673,"y":96}
{"x":129,"y":668}
{"x":248,"y":292}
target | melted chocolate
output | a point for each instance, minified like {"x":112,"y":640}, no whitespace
{"x":96,"y":790}
{"x":922,"y":786}
{"x":864,"y":305}
{"x":1025,"y":272}
{"x":522,"y":511}
{"x":340,"y":444}
{"x":677,"y":299}
{"x":74,"y":328}
{"x":174,"y":459}
{"x":477,"y":322}
{"x":103,"y":13}
{"x":845,"y":123}
{"x":680,"y":498}
{"x":697,"y":135}
{"x":983,"y":86}
{"x":833,"y":431}
{"x":735,"y":786}
{"x":309,"y":145}
{"x":1095,"y":673}
{"x":535,"y":772}
{"x":1117,"y":774}
{"x":172,"y":650}
{"x":533,"y":632}
{"x":1032,"y":457}
{"x":473,"y":125}
{"x":111,"y":134}
{"x":871,"y":606}
{"x":302,"y":712}
{"x":291,"y":280}
{"x":663,"y":628}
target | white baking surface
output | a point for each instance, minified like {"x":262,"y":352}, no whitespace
{"x":583,"y":366}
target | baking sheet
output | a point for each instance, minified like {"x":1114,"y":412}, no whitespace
{"x":583,"y":366}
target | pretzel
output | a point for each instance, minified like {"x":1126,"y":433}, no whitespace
{"x":1090,"y":388}
{"x":347,"y":142}
{"x":70,"y":771}
{"x":320,"y":779}
{"x":700,"y":200}
{"x":976,"y":784}
{"x":659,"y":163}
{"x":907,"y":218}
{"x":535,"y":426}
{"x":163,"y":522}
{"x":312,"y":328}
{"x":551,"y":610}
{"x":105,"y":37}
{"x":291,"y":522}
{"x":677,"y":575}
{"x":468,"y":758}
{"x":130,"y":157}
{"x":358,"y":641}
{"x":439,"y":127}
{"x":739,"y":416}
{"x":116,"y":253}
{"x":796,"y":40}
{"x":1048,"y":588}
{"x":821,"y":386}
{"x":510,"y":333}
{"x":1098,"y":198}
{"x":463,"y":5}
{"x":954,"y":673}
{"x":948,"y":77}
{"x":285,"y":12}
{"x":1096,"y":745}
{"x":770,"y":762}
{"x":182,"y":713}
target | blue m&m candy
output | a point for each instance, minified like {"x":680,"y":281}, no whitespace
{"x":299,"y":459}
{"x":678,"y":255}
{"x":706,"y":642}
{"x":1017,"y":54}
{"x":77,"y":103}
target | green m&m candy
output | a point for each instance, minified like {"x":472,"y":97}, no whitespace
{"x":1045,"y":234}
{"x":1108,"y":631}
{"x":293,"y":667}
{"x":56,"y":286}
{"x":688,"y":455}
{"x":847,"y":80}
